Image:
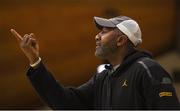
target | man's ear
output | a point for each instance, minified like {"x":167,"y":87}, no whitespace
{"x":121,"y":40}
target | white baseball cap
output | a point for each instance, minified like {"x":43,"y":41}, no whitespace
{"x":125,"y":24}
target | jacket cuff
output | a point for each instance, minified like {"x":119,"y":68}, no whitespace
{"x":37,"y":71}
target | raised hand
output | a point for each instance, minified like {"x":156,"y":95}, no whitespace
{"x":28,"y":45}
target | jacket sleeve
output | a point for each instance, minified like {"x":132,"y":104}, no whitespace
{"x":158,"y":90}
{"x":58,"y":97}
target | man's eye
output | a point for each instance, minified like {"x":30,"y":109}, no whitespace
{"x":104,"y":31}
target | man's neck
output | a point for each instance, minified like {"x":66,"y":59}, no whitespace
{"x":117,"y":58}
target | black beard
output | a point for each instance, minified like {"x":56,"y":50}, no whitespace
{"x":105,"y":50}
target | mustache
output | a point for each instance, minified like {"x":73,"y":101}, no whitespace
{"x":98,"y":44}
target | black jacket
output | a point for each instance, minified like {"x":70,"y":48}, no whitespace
{"x":138,"y":83}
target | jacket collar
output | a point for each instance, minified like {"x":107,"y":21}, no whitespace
{"x":131,"y":57}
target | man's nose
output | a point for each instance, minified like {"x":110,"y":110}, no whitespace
{"x":98,"y":37}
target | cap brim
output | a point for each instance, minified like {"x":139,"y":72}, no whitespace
{"x":102,"y":22}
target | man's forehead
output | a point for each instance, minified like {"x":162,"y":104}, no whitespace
{"x":112,"y":28}
{"x":108,"y":28}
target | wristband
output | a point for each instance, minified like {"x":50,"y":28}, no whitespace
{"x":36,"y":63}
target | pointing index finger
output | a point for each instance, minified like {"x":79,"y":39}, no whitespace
{"x":17,"y":35}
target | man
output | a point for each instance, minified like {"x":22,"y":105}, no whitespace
{"x":133,"y":80}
